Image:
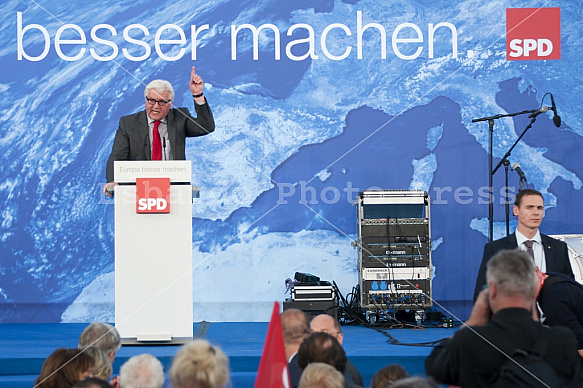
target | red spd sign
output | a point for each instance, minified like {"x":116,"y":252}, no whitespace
{"x":533,"y":33}
{"x":153,"y":195}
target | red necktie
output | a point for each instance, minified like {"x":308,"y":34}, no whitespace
{"x":156,"y":143}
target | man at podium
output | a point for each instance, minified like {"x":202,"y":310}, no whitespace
{"x":159,"y":132}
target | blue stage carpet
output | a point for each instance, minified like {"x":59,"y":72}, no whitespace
{"x":23,"y":348}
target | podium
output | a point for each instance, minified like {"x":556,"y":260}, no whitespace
{"x":153,"y":251}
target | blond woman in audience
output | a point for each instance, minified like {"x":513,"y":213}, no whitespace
{"x":102,"y":368}
{"x":199,"y":364}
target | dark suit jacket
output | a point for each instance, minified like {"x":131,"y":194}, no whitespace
{"x":473,"y":358}
{"x":295,"y":373}
{"x":132,"y":140}
{"x":556,"y":257}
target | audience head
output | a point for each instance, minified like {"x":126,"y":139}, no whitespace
{"x":103,"y":336}
{"x":321,"y":375}
{"x":414,"y":382}
{"x":511,"y":273}
{"x":322,"y":347}
{"x":327,"y":324}
{"x":199,"y":364}
{"x":295,"y":328}
{"x":92,"y":382}
{"x":102,"y":367}
{"x":142,"y":371}
{"x":388,"y":375}
{"x":63,"y":368}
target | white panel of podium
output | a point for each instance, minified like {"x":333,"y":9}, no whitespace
{"x":153,"y":256}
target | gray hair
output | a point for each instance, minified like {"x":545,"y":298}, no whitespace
{"x":513,"y":273}
{"x":142,"y":371}
{"x":321,"y":375}
{"x":101,"y":335}
{"x":160,"y":86}
{"x":201,"y":363}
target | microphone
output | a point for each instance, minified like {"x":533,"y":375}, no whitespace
{"x":543,"y":109}
{"x":516,"y":167}
{"x":164,"y":147}
{"x":556,"y":117}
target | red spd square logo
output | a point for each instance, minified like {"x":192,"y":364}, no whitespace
{"x":533,"y":33}
{"x":152,"y":195}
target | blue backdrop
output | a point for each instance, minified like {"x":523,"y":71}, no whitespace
{"x":314,"y":101}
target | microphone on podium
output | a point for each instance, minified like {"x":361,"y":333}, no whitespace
{"x":164,"y":147}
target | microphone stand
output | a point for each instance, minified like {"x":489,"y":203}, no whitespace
{"x":507,"y":202}
{"x":504,"y":160}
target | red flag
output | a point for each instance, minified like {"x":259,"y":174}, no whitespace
{"x":273,"y":371}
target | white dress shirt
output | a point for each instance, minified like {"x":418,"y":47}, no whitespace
{"x":537,"y":247}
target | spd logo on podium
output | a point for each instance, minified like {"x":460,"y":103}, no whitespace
{"x":153,"y":195}
{"x":533,"y":33}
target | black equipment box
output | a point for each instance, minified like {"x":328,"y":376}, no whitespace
{"x":313,"y":308}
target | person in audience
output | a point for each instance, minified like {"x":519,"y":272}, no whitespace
{"x":500,"y":323}
{"x":414,"y":382}
{"x":92,"y":382}
{"x":561,"y":300}
{"x":142,"y":371}
{"x":322,"y":347}
{"x":102,"y":367}
{"x":327,"y":324}
{"x":103,"y":336}
{"x":549,"y":254}
{"x":296,"y":328}
{"x":199,"y":364}
{"x":384,"y":377}
{"x":321,"y":375}
{"x":63,"y":368}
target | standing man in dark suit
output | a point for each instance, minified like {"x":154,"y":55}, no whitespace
{"x":296,"y":328}
{"x":160,"y":131}
{"x":549,"y":255}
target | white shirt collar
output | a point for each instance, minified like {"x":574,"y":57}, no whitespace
{"x":150,"y":121}
{"x":521,"y":238}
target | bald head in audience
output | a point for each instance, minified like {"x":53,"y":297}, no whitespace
{"x":324,"y":323}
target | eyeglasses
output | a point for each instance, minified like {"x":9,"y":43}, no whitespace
{"x":151,"y":101}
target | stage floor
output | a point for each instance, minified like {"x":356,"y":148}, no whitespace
{"x":23,"y":348}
